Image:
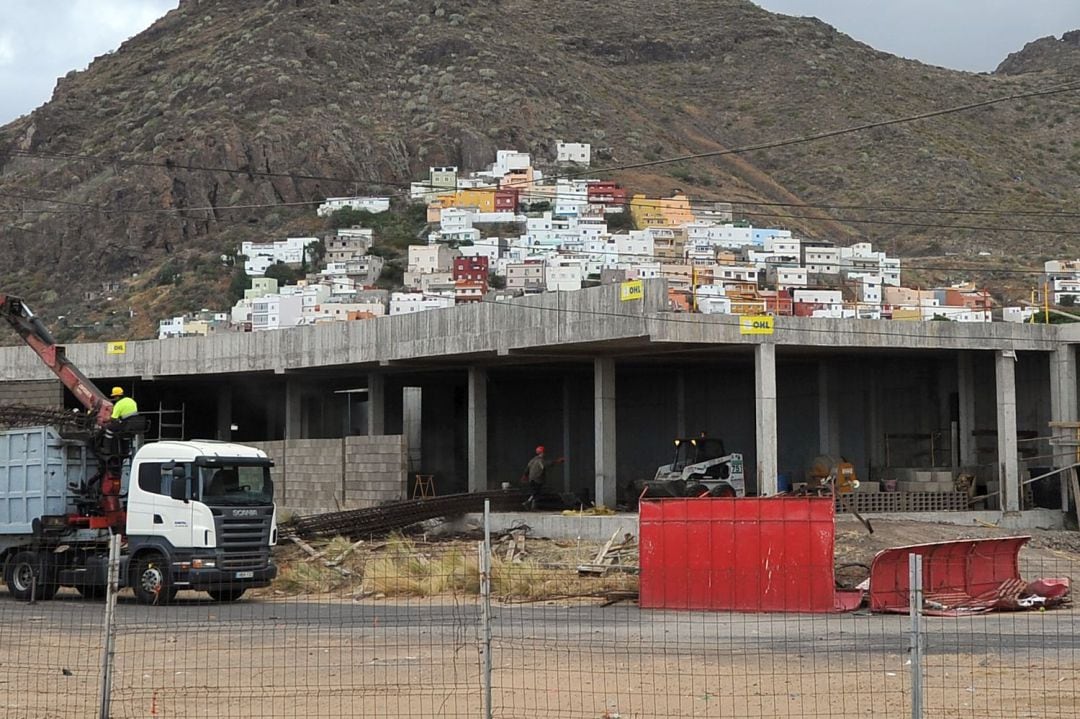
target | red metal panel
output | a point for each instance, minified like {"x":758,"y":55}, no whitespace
{"x":968,"y":566}
{"x":770,"y":554}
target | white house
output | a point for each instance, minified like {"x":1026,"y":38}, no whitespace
{"x":637,"y":246}
{"x":374,"y":205}
{"x":572,"y":196}
{"x":564,"y":274}
{"x":261,"y":255}
{"x":579,"y":152}
{"x":403,"y":303}
{"x":276,"y":311}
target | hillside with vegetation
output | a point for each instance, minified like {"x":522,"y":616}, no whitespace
{"x":229,"y":120}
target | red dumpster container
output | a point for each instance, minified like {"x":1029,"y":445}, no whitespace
{"x":770,"y":554}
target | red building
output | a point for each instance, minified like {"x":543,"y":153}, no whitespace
{"x":507,"y":199}
{"x":604,"y":192}
{"x":472,"y":269}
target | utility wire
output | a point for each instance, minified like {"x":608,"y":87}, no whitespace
{"x":251,"y":172}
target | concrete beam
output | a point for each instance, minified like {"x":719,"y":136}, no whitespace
{"x":1008,"y":456}
{"x":1063,"y":408}
{"x":376,"y":404}
{"x":478,"y":430}
{"x":604,"y":430}
{"x":765,"y":404}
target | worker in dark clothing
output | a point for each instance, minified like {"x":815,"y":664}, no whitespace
{"x":536,"y":474}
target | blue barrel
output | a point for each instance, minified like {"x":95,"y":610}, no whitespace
{"x":783,"y":482}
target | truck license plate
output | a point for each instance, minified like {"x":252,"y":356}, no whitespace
{"x":245,"y":575}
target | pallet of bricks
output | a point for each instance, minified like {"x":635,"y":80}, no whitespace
{"x":917,"y":490}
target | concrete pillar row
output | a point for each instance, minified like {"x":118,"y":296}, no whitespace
{"x":1008,"y":456}
{"x":765,"y":404}
{"x":604,"y":430}
{"x":478,"y":430}
{"x":376,"y":404}
{"x":1063,"y":408}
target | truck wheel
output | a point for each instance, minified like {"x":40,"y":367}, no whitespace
{"x":697,"y":489}
{"x":23,"y":571}
{"x":226,"y":595}
{"x":90,"y":591}
{"x":150,"y":580}
{"x":723,"y":490}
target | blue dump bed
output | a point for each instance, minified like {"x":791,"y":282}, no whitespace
{"x":36,"y":466}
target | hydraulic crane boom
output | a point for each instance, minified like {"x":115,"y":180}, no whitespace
{"x":34,"y":334}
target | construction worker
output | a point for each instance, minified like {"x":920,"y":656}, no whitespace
{"x":536,"y":474}
{"x":123,"y":407}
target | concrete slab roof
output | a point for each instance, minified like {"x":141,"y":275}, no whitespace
{"x":575,"y":325}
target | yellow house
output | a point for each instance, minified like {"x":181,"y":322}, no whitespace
{"x":661,"y":212}
{"x":482,"y":199}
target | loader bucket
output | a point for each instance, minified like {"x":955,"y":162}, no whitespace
{"x":972,"y":568}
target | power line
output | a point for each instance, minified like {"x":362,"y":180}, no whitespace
{"x":251,"y":172}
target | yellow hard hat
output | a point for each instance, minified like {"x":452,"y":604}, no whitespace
{"x":117,"y":392}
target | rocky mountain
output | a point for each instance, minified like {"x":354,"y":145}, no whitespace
{"x":1045,"y":54}
{"x":220,"y":122}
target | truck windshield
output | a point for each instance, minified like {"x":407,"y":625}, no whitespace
{"x":236,"y":484}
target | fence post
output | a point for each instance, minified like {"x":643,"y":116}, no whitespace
{"x":485,"y":607}
{"x":915,"y":602}
{"x":110,"y":612}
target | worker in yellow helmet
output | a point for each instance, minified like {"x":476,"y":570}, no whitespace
{"x":123,"y":407}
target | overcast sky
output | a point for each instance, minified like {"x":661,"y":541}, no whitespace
{"x":971,"y":35}
{"x":41,"y":40}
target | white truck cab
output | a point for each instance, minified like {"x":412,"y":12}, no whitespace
{"x":200,"y":515}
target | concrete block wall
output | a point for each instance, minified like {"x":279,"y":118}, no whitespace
{"x":37,"y":393}
{"x":327,"y":475}
{"x":376,"y":469}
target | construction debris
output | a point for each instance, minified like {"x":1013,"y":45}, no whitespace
{"x":611,"y":557}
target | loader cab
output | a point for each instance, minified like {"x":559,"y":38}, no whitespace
{"x":694,"y":450}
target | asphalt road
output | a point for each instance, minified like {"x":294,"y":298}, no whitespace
{"x":623,"y":627}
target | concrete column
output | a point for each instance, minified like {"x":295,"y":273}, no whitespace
{"x":224,"y":414}
{"x":680,"y":403}
{"x":1063,"y":408}
{"x":765,"y":403}
{"x":294,"y":409}
{"x":965,"y":378}
{"x":874,"y":438}
{"x":1008,"y":458}
{"x":567,"y":432}
{"x":478,"y":430}
{"x":604,"y":430}
{"x":412,"y":415}
{"x":376,"y":404}
{"x":828,"y":417}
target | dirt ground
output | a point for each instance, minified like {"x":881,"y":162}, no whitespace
{"x":392,"y":630}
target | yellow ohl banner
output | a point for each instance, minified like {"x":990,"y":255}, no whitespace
{"x":116,"y":348}
{"x":632,"y":290}
{"x":755,"y":325}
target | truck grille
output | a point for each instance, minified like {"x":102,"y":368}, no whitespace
{"x":243,"y":537}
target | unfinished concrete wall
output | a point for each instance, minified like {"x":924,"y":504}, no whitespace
{"x":39,"y":393}
{"x":326,"y":475}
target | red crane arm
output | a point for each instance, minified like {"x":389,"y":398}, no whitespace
{"x":34,"y":334}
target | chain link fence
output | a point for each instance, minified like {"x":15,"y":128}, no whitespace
{"x":516,"y":628}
